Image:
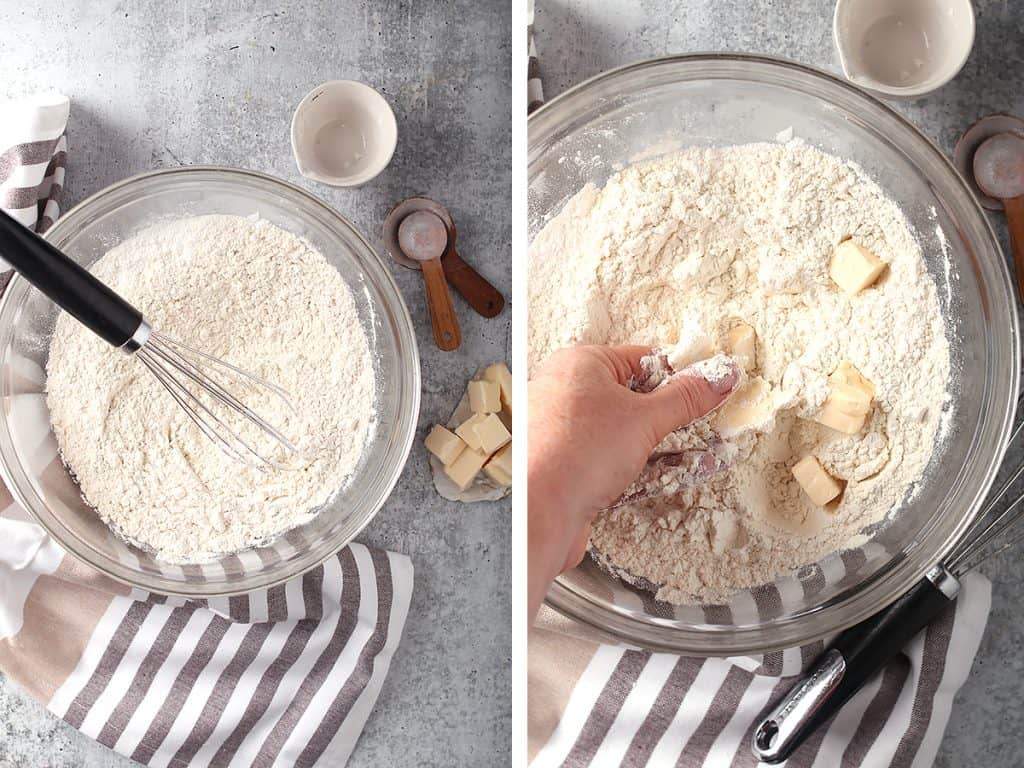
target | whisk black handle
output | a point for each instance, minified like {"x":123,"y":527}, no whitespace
{"x":854,"y":658}
{"x":68,"y":284}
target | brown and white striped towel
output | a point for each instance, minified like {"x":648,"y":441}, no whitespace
{"x":607,"y":705}
{"x":268,"y":678}
{"x":33,"y":148}
{"x":534,"y":87}
{"x":284,"y":676}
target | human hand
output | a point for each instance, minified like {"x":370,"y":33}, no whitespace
{"x":589,"y":437}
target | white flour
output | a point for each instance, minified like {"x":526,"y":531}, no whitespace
{"x":698,"y":241}
{"x":258,"y":297}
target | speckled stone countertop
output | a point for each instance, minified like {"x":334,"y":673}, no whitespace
{"x":577,"y":39}
{"x":156,"y":85}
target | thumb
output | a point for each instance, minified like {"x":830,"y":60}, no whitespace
{"x":690,"y":394}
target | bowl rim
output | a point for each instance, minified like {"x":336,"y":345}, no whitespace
{"x":300,"y":148}
{"x":196,"y":590}
{"x":842,"y":46}
{"x":744,"y":640}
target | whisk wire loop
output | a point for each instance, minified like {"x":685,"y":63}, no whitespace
{"x":988,"y":528}
{"x":175,"y":365}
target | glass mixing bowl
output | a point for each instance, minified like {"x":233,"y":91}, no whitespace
{"x":647,"y":109}
{"x":42,"y":485}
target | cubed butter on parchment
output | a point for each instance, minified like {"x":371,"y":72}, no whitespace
{"x":465,"y":468}
{"x":444,"y":444}
{"x":484,"y":396}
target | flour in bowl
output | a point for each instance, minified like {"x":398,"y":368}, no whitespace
{"x":260,"y":298}
{"x":681,"y":250}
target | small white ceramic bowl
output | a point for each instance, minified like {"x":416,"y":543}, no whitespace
{"x":343,"y":133}
{"x":903,"y":48}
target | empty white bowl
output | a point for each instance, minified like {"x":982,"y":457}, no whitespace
{"x":903,"y":48}
{"x":343,"y":133}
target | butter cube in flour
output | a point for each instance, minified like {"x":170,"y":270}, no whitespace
{"x":463,"y":470}
{"x":853,"y":267}
{"x":466,"y":431}
{"x":484,"y":396}
{"x":445,"y":445}
{"x":499,"y":468}
{"x":491,"y":433}
{"x":849,"y":400}
{"x":502,"y":376}
{"x":751,"y":408}
{"x":694,"y":345}
{"x":818,"y":484}
{"x":741,"y":343}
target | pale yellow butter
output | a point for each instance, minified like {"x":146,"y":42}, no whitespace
{"x":849,"y":400}
{"x":853,"y":267}
{"x":465,"y":468}
{"x":741,"y":343}
{"x":445,"y":445}
{"x":499,"y":468}
{"x":818,"y":484}
{"x":502,"y":376}
{"x":466,"y":431}
{"x":484,"y":396}
{"x":491,"y":433}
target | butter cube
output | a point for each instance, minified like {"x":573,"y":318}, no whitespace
{"x":818,"y":484}
{"x":693,"y":346}
{"x":464,"y":469}
{"x":502,"y":376}
{"x":468,"y":434}
{"x":854,"y":267}
{"x":491,"y":433}
{"x":750,"y":408}
{"x":741,"y":343}
{"x":445,"y":445}
{"x":849,"y":400}
{"x":484,"y":396}
{"x":846,"y":374}
{"x":499,"y":468}
{"x":832,"y":417}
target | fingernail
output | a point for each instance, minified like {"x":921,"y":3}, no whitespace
{"x":727,"y":383}
{"x":720,"y":372}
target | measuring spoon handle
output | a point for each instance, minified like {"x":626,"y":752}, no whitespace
{"x":1015,"y":221}
{"x":442,"y":313}
{"x":478,"y":293}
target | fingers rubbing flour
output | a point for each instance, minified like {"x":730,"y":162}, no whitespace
{"x":736,"y":250}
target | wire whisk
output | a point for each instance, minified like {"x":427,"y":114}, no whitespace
{"x":204,"y":386}
{"x":982,"y":539}
{"x":856,"y":655}
{"x":168,"y":360}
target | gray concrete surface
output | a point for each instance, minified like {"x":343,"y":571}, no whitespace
{"x":157,"y":84}
{"x":579,"y":38}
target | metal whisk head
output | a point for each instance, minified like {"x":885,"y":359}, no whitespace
{"x":992,"y":532}
{"x":182,"y":369}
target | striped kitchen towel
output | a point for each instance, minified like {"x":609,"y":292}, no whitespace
{"x":284,"y":676}
{"x":534,"y":87}
{"x":33,"y":149}
{"x":592,"y":704}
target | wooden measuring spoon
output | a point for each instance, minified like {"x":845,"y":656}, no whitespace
{"x":999,"y":172}
{"x":483,"y":297}
{"x":423,"y":237}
